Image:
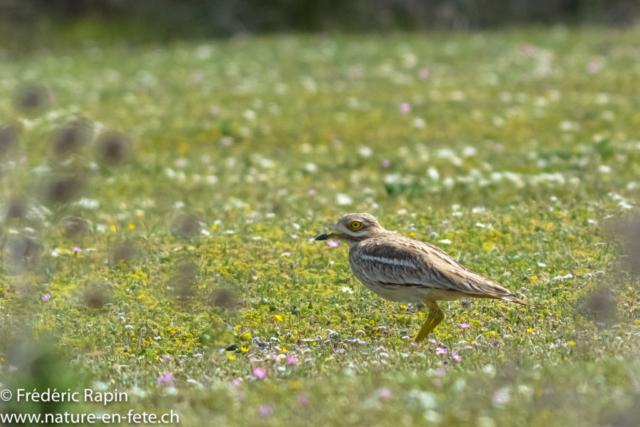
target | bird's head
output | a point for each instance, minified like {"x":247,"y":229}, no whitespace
{"x":353,"y":228}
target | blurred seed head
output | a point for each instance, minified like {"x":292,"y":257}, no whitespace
{"x":224,"y":298}
{"x":184,"y":279}
{"x":21,"y":252}
{"x":62,"y":189}
{"x":126,"y":250}
{"x":33,"y":96}
{"x":113,"y":147}
{"x":187,"y":226}
{"x":598,"y":305}
{"x":626,"y":418}
{"x":15,"y":208}
{"x":96,"y":294}
{"x":75,"y":227}
{"x":38,"y":366}
{"x":70,"y":138}
{"x":629,"y":233}
{"x":8,"y":139}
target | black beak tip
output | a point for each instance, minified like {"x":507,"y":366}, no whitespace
{"x":322,"y":237}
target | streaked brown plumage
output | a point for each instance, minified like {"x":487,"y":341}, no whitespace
{"x":406,"y":270}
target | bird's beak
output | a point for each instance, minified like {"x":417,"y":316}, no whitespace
{"x":324,"y":236}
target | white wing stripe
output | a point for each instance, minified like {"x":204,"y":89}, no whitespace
{"x":392,"y":261}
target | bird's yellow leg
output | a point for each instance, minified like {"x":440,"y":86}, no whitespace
{"x":433,"y":319}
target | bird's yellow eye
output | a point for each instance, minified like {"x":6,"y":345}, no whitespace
{"x":355,"y":225}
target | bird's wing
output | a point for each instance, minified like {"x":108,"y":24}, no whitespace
{"x":407,"y":262}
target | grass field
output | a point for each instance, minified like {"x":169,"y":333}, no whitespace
{"x":176,"y":218}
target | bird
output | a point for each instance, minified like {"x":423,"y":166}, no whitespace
{"x":402,"y":269}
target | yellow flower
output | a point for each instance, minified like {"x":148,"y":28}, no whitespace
{"x":141,"y":296}
{"x":245,"y":336}
{"x":571,"y":343}
{"x":231,"y":357}
{"x":284,"y":350}
{"x":213,"y":227}
{"x":530,"y":330}
{"x":131,"y":226}
{"x":278,"y":317}
{"x":113,"y":228}
{"x":244,"y":349}
{"x":403,"y":307}
{"x":534,"y":278}
{"x":412,"y":234}
{"x":277,"y":243}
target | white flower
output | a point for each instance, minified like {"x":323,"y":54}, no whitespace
{"x":445,"y":241}
{"x":343,"y":199}
{"x":347,"y":289}
{"x":432,"y":416}
{"x":88,"y":203}
{"x":365,"y":152}
{"x":433,"y":173}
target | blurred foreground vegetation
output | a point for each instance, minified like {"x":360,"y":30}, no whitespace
{"x":158,"y":203}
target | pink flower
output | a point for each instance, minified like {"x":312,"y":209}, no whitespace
{"x":384,"y":163}
{"x":265,"y":410}
{"x":594,"y":68}
{"x":441,"y":350}
{"x":405,"y":107}
{"x":255,"y":277}
{"x":293,"y":236}
{"x":441,"y":371}
{"x":501,"y":396}
{"x":423,"y":73}
{"x":464,"y":325}
{"x":166,"y":357}
{"x":384,"y":393}
{"x":13,"y":368}
{"x":259,"y":373}
{"x":46,"y":297}
{"x":76,"y":249}
{"x":312,"y":192}
{"x":292,"y":360}
{"x":456,"y":356}
{"x":333,"y":243}
{"x":303,"y":398}
{"x":236,"y":383}
{"x":166,"y":379}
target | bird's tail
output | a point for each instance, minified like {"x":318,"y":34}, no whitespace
{"x":513,"y":298}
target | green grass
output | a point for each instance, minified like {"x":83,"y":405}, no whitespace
{"x":520,"y":150}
